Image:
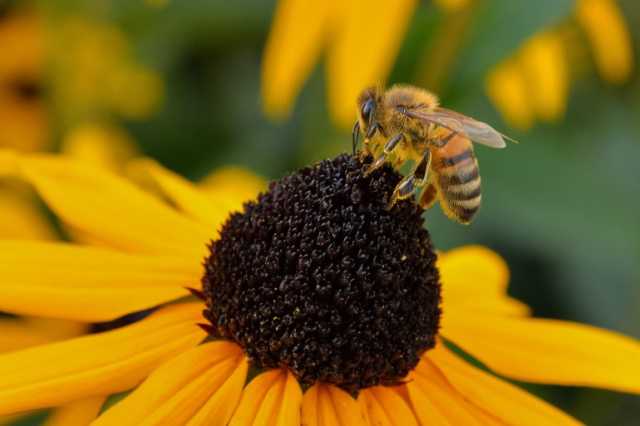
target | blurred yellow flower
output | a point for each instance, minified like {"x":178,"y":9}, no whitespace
{"x":507,"y":89}
{"x":361,"y":39}
{"x":534,"y":83}
{"x":94,"y":71}
{"x":609,"y":37}
{"x":23,"y":118}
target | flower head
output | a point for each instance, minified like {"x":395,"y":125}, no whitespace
{"x":142,"y":252}
{"x":297,"y":281}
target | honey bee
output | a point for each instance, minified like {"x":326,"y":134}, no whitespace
{"x":405,"y":123}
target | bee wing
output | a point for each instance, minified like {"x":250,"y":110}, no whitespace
{"x":475,"y":130}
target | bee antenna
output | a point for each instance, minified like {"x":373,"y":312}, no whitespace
{"x":355,"y":136}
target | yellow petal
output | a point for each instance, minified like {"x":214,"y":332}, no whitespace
{"x":474,"y":277}
{"x":101,"y":145}
{"x":21,"y":218}
{"x":221,"y":405}
{"x":20,"y":333}
{"x":548,"y":351}
{"x":272,"y":398}
{"x":98,"y":364}
{"x":545,"y":67}
{"x":190,"y":199}
{"x":435,"y":401}
{"x":507,"y":88}
{"x":87,"y":283}
{"x":328,"y":405}
{"x":232,"y":186}
{"x":78,"y":413}
{"x":298,"y":33}
{"x":111,"y":209}
{"x":609,"y":37}
{"x":383,"y":406}
{"x":363,"y":51}
{"x":499,"y":398}
{"x":180,"y":388}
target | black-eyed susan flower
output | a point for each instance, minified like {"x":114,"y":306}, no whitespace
{"x":320,"y":307}
{"x":534,"y":84}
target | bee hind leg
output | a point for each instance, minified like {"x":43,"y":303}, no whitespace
{"x":417,"y":179}
{"x":428,"y":197}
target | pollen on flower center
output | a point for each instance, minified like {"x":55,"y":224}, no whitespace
{"x":319,"y":277}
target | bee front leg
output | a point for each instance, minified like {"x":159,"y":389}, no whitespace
{"x":389,"y":146}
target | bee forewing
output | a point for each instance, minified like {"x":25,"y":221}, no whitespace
{"x":475,"y":130}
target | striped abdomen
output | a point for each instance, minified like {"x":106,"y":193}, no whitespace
{"x":458,"y":179}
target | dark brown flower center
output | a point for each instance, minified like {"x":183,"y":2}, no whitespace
{"x":319,"y":277}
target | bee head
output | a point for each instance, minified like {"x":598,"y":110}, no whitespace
{"x":368,"y":102}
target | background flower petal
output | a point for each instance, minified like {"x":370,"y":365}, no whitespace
{"x":499,"y":398}
{"x":97,"y":364}
{"x":506,"y":86}
{"x":178,"y":389}
{"x":609,"y":37}
{"x":299,"y":31}
{"x":544,"y":63}
{"x":548,"y":351}
{"x":359,"y":56}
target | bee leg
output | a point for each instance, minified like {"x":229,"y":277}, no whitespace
{"x":392,"y":143}
{"x":388,"y":148}
{"x":377,"y":163}
{"x":402,"y":191}
{"x":421,"y":172}
{"x":417,"y":179}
